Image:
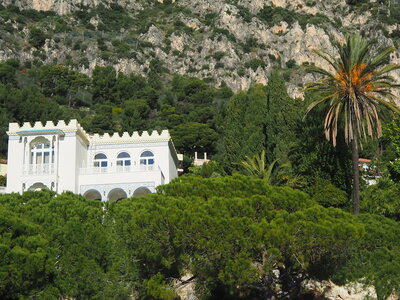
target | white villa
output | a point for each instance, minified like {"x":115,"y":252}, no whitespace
{"x":64,"y":157}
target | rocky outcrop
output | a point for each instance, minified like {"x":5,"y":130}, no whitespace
{"x":63,"y":7}
{"x":223,"y":40}
{"x":185,"y":288}
{"x":352,"y":291}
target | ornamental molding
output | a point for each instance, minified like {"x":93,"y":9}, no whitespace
{"x":128,"y":188}
{"x":127,"y":145}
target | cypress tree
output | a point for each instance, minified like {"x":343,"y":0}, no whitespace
{"x":244,"y":126}
{"x":282,"y":115}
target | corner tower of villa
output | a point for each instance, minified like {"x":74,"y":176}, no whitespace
{"x":63,"y":157}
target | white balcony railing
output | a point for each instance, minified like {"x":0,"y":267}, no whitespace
{"x":118,"y":169}
{"x":38,"y":169}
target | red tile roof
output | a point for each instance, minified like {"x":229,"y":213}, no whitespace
{"x":366,"y":160}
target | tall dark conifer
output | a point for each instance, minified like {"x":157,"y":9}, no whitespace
{"x":244,"y":126}
{"x":282,"y":115}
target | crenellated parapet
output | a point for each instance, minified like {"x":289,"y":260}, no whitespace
{"x":135,"y":137}
{"x":38,"y":128}
{"x":62,"y":127}
{"x":70,"y":126}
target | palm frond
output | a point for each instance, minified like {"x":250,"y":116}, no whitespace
{"x":256,"y":166}
{"x":361,"y":84}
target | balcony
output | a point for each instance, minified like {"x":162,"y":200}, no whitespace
{"x":118,"y":169}
{"x":121,"y":174}
{"x":39,"y":169}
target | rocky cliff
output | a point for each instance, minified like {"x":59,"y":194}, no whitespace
{"x":235,"y":41}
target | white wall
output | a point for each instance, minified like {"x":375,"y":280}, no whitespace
{"x":160,"y":151}
{"x":81,"y":160}
{"x":15,"y":164}
{"x":67,"y":157}
{"x":173,"y":167}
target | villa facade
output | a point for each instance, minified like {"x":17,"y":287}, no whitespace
{"x":64,"y":157}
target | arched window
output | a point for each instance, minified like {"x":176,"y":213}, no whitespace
{"x":92,"y":194}
{"x":41,"y":152}
{"x":142,"y":191}
{"x":100,"y":161}
{"x":38,"y":186}
{"x":147,"y":158}
{"x":117,"y":194}
{"x":123,"y":159}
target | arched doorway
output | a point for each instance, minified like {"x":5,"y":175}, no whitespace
{"x":117,"y":194}
{"x":92,"y":194}
{"x":38,"y":186}
{"x":142,"y":191}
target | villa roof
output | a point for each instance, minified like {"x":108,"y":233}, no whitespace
{"x":366,"y":160}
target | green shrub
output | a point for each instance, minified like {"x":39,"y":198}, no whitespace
{"x":290,"y":63}
{"x":255,"y":63}
{"x":274,"y":15}
{"x":327,"y":195}
{"x":383,"y":199}
{"x":209,"y":18}
{"x":37,"y":37}
{"x":355,"y":2}
{"x":219,"y":55}
{"x":250,"y":44}
{"x":241,"y":72}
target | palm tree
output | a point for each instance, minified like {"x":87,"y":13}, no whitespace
{"x":256,"y":166}
{"x":355,"y":88}
{"x":272,"y":174}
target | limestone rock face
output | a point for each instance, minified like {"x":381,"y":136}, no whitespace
{"x":330,"y":291}
{"x":63,"y":7}
{"x":222,"y":40}
{"x":186,"y":290}
{"x":353,"y":291}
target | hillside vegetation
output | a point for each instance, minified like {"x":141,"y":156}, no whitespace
{"x":267,"y":216}
{"x":238,"y":42}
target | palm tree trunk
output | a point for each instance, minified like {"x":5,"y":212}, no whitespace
{"x":356,"y":170}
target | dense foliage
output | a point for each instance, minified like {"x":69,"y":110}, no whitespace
{"x":231,"y":235}
{"x":200,"y":117}
{"x":234,"y":236}
{"x":109,"y":102}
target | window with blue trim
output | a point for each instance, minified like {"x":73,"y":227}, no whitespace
{"x":147,"y":158}
{"x":123,"y":159}
{"x":42,"y":153}
{"x":100,"y":160}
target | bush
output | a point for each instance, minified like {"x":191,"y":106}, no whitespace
{"x":355,"y":2}
{"x":219,"y":55}
{"x":250,"y":44}
{"x":225,"y":32}
{"x":290,"y":63}
{"x":37,"y":37}
{"x":328,"y":195}
{"x":255,"y":63}
{"x":274,"y":15}
{"x":383,"y":199}
{"x":209,"y":18}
